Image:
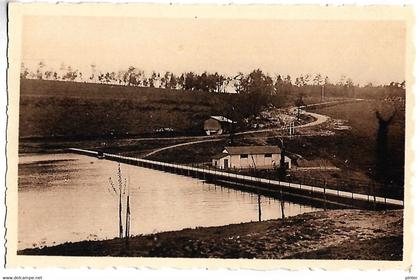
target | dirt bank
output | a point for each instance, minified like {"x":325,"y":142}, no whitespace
{"x":337,"y":234}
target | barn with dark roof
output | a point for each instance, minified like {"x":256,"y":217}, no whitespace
{"x":217,"y":125}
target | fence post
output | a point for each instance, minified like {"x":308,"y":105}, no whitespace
{"x":374,"y":202}
{"x":372,"y":191}
{"x":325,"y":199}
{"x":282,"y":204}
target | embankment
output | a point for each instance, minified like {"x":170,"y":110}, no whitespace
{"x":335,"y":234}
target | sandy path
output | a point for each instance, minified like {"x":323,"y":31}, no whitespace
{"x":319,"y":119}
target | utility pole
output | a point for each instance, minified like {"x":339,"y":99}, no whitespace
{"x":292,"y":128}
{"x":120,"y":186}
{"x":231,"y":126}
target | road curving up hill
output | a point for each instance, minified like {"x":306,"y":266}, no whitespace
{"x":318,"y":120}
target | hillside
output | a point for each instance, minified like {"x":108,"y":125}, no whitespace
{"x":357,"y":148}
{"x":51,"y":109}
{"x":74,"y":110}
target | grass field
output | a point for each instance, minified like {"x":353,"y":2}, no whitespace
{"x":82,"y":110}
{"x":70,"y":110}
{"x":357,"y":148}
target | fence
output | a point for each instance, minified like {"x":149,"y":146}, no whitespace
{"x":351,"y":189}
{"x":353,"y":186}
{"x":205,"y":172}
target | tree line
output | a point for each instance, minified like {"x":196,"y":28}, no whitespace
{"x":257,"y":89}
{"x":207,"y":82}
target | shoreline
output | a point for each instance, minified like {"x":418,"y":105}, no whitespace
{"x":333,"y":234}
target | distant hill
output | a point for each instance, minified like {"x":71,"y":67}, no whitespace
{"x":77,"y":110}
{"x":87,"y":110}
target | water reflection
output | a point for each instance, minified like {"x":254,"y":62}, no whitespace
{"x":65,"y":197}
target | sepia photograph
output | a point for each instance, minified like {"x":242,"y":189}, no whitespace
{"x":207,"y":135}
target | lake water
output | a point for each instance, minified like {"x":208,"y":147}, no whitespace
{"x":67,"y":198}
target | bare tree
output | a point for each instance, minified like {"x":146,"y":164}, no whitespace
{"x":93,"y":72}
{"x":121,"y":190}
{"x":299,"y":103}
{"x":153,"y":77}
{"x":24,"y":72}
{"x":172,"y":81}
{"x":317,"y":79}
{"x":326,"y":80}
{"x":39,"y":71}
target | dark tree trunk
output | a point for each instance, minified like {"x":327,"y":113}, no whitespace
{"x":282,"y":171}
{"x":382,"y":158}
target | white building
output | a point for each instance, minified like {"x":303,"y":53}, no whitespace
{"x":247,"y":157}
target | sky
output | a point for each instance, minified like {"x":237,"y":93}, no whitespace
{"x":366,"y":51}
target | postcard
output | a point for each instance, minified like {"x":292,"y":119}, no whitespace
{"x":209,"y":136}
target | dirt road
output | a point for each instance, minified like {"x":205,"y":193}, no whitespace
{"x":180,"y":145}
{"x":319,"y":119}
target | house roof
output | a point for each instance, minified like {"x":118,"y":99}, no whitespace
{"x":219,"y":156}
{"x":252,"y":150}
{"x":222,"y":119}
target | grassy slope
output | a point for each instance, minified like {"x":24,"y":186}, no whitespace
{"x":51,"y":108}
{"x":357,"y":148}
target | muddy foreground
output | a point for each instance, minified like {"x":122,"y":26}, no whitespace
{"x":336,"y":234}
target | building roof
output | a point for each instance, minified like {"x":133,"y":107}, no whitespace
{"x":222,"y":119}
{"x":252,"y":150}
{"x":219,"y":156}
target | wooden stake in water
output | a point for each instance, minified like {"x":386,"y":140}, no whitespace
{"x":128,"y":215}
{"x":282,"y":204}
{"x":122,"y":193}
{"x":120,"y":202}
{"x":259,"y":208}
{"x":127,"y":218}
{"x":127,"y":222}
{"x":325,"y":198}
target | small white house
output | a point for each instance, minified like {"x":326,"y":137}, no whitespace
{"x":249,"y":157}
{"x":217,"y":124}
